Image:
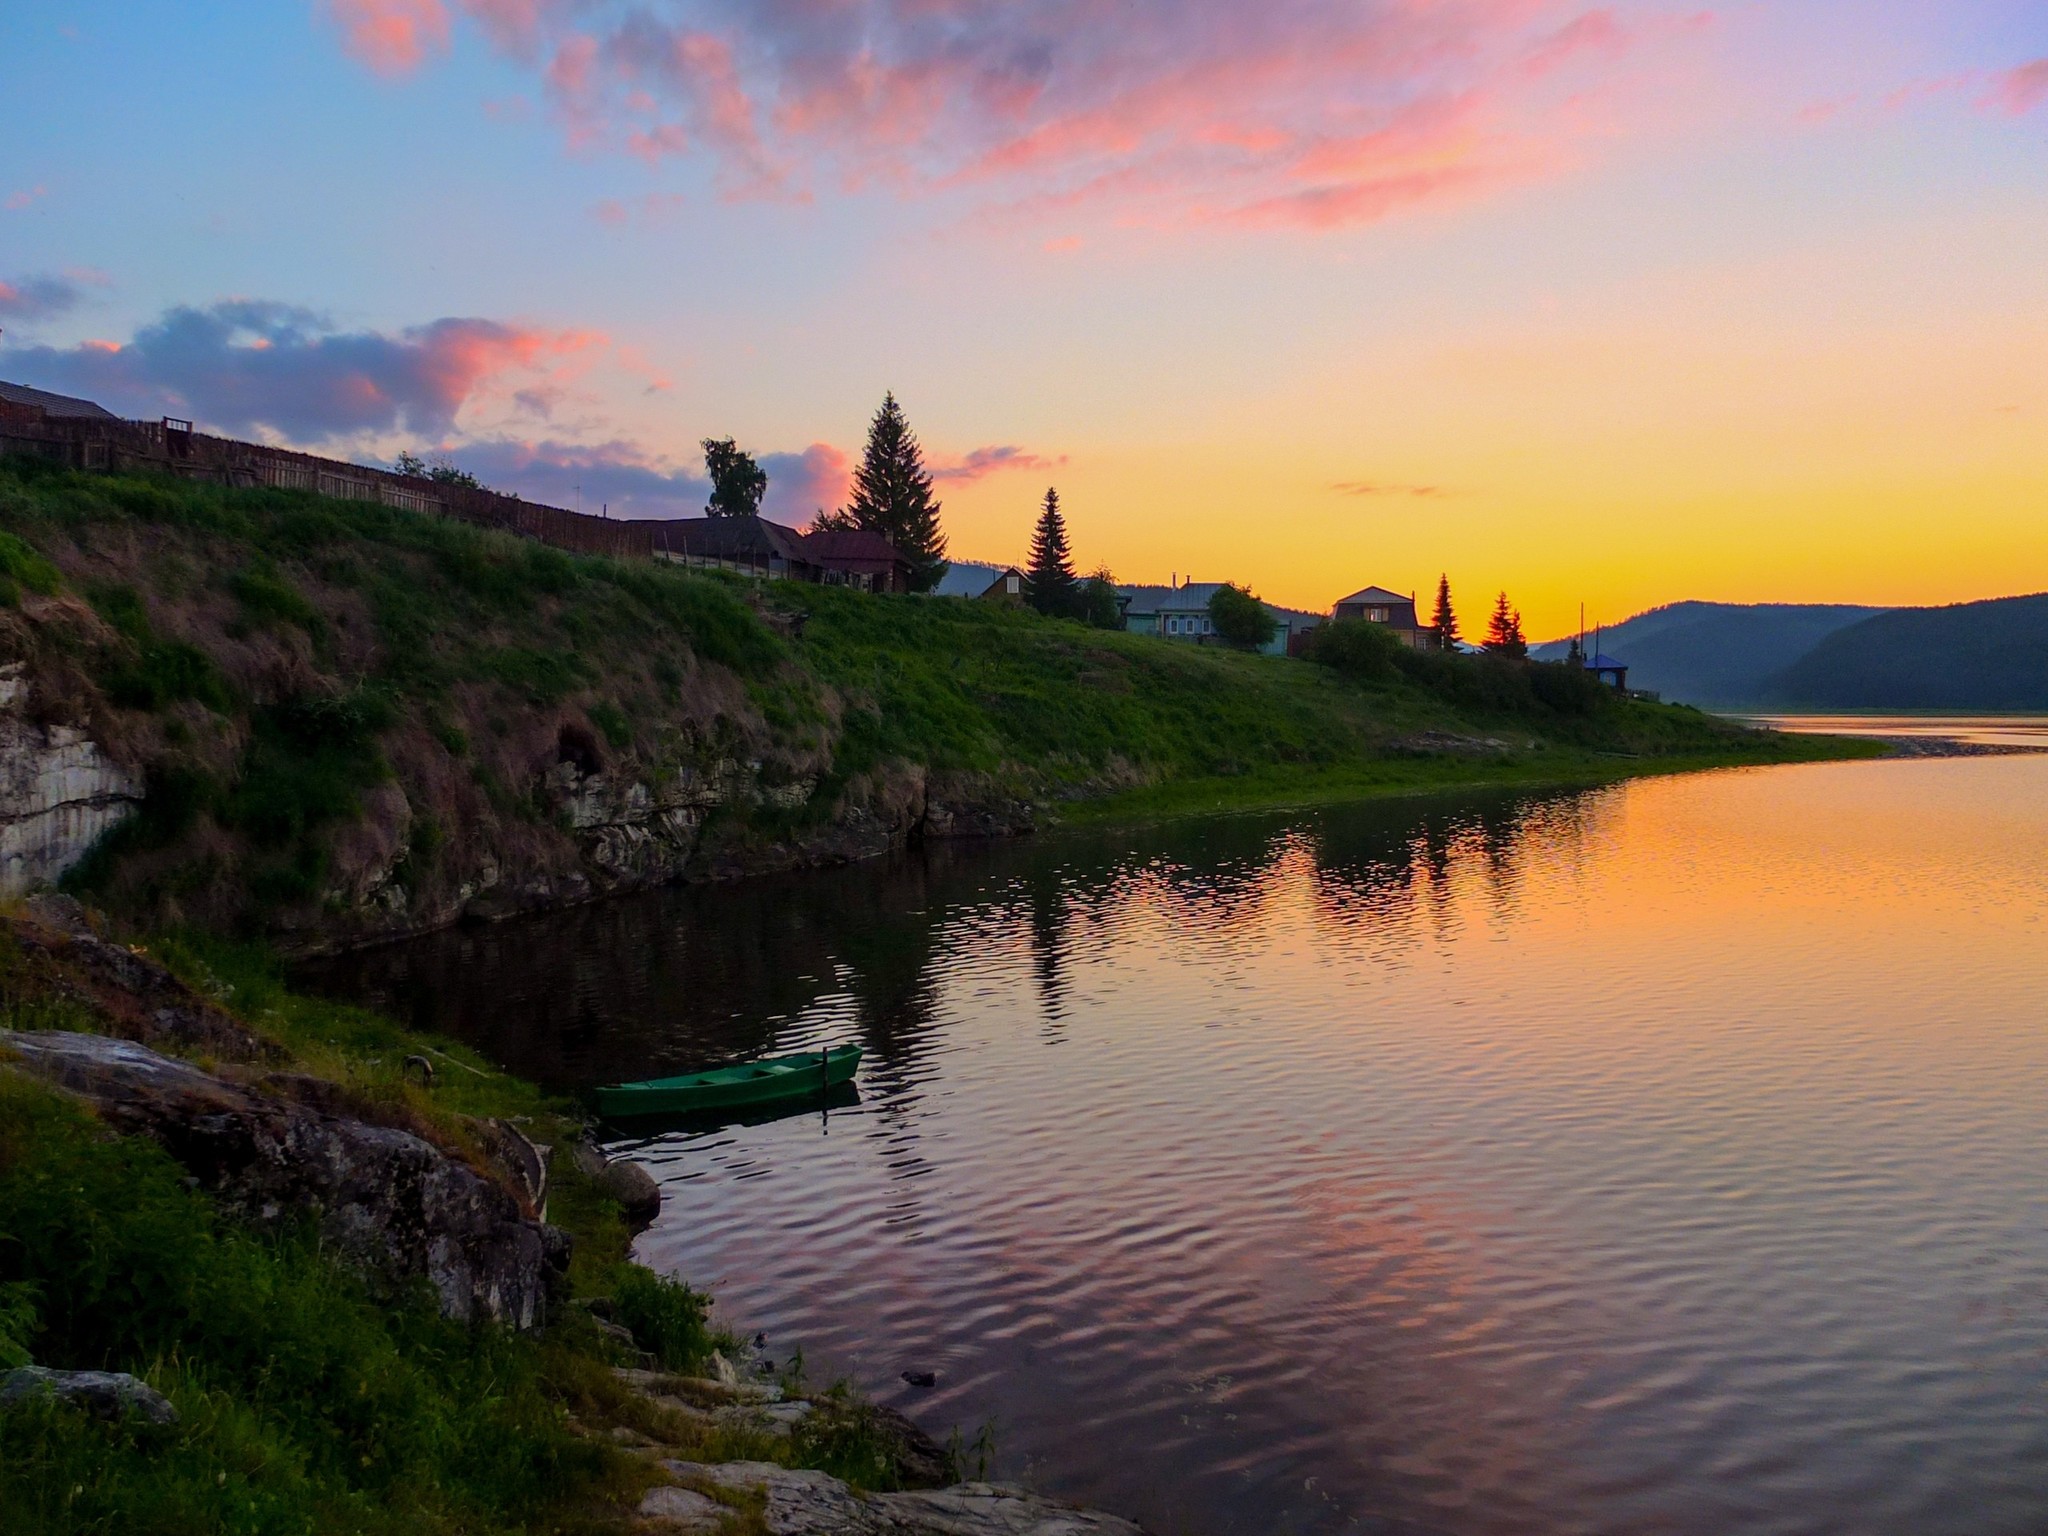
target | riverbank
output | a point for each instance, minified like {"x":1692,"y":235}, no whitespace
{"x":1287,"y":789}
{"x":335,"y":1275}
{"x":332,"y":723}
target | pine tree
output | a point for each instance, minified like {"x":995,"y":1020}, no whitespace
{"x":1049,"y":584}
{"x":1504,"y":631}
{"x":1445,"y":618}
{"x":737,"y":482}
{"x":892,"y":496}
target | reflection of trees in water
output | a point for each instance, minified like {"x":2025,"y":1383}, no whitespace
{"x":675,"y":979}
{"x":1376,"y":876}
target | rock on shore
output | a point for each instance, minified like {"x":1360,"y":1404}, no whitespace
{"x":386,"y":1200}
{"x":818,"y":1504}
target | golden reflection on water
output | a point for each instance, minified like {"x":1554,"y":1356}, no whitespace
{"x":1672,"y":1157}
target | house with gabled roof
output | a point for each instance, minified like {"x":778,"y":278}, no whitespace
{"x":1377,"y":605}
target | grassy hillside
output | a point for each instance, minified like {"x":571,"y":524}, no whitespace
{"x":354,"y":720}
{"x":1991,"y":656}
{"x":1717,"y":655}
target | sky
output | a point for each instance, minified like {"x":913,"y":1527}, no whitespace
{"x":1609,"y":304}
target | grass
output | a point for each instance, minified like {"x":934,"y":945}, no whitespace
{"x":307,"y":1403}
{"x":273,"y":660}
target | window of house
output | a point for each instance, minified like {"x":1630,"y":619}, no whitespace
{"x":1377,"y":615}
{"x":1010,"y":583}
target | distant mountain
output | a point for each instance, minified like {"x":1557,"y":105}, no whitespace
{"x":1991,"y":655}
{"x":1717,"y":655}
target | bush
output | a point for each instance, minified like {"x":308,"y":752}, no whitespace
{"x":1357,"y":648}
{"x":1241,"y":619}
{"x":666,"y":1317}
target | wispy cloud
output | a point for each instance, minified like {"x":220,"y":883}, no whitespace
{"x":2019,"y":91}
{"x":981,"y":462}
{"x":1304,"y":112}
{"x":1382,"y":488}
{"x":243,"y":365}
{"x":24,"y":197}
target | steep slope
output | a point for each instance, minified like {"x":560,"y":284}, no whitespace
{"x":347,"y":721}
{"x":1716,"y":655}
{"x":1991,"y":656}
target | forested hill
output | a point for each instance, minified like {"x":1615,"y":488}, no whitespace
{"x":1717,"y":654}
{"x":1991,"y":655}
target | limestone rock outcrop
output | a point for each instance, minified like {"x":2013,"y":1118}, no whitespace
{"x":58,"y":792}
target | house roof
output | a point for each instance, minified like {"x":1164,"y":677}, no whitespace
{"x":968,"y":578}
{"x":828,"y":544}
{"x":58,"y":406}
{"x":1605,"y":663}
{"x":1192,"y":598}
{"x":1376,"y":596}
{"x":731,"y":538}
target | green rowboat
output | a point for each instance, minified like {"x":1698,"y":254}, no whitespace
{"x":768,"y":1081}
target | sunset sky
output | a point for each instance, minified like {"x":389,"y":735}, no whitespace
{"x":1622,"y":304}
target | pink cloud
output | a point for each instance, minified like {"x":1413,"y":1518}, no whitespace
{"x":800,"y":484}
{"x":16,"y":201}
{"x":1201,"y":109}
{"x":2018,"y":91}
{"x":982,"y":462}
{"x":392,"y":37}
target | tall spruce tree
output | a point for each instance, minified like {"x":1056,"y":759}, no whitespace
{"x":1049,"y":584}
{"x":892,"y":496}
{"x":1445,"y":619}
{"x":1504,"y":631}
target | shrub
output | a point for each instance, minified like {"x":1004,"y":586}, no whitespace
{"x":267,"y":598}
{"x":1240,"y":618}
{"x":21,"y":566}
{"x":1357,"y":648}
{"x":666,"y":1317}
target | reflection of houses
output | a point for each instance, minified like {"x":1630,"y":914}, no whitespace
{"x":1376,"y":605}
{"x":1609,"y":671}
{"x":1180,"y":611}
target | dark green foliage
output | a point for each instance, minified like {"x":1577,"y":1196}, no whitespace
{"x":308,"y":761}
{"x":1240,"y":618}
{"x":21,"y":566}
{"x":541,"y":677}
{"x":306,"y":1403}
{"x":155,"y":672}
{"x":665,"y":1316}
{"x":1097,"y":604}
{"x":1358,"y":648}
{"x":1049,"y":576}
{"x":610,"y":719}
{"x":1445,"y":618}
{"x":267,"y":598}
{"x":737,"y":482}
{"x":173,"y":798}
{"x":1504,"y":632}
{"x":441,"y":471}
{"x":892,"y":496}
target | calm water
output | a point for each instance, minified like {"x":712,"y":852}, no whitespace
{"x":1667,"y":1158}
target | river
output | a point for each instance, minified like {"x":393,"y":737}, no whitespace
{"x":1670,"y":1157}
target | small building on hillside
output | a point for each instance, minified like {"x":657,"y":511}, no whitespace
{"x":1006,"y":587}
{"x":1376,"y":605}
{"x":1609,"y":671}
{"x":45,"y":406}
{"x":753,"y":546}
{"x":1180,"y":611}
{"x":857,"y":557}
